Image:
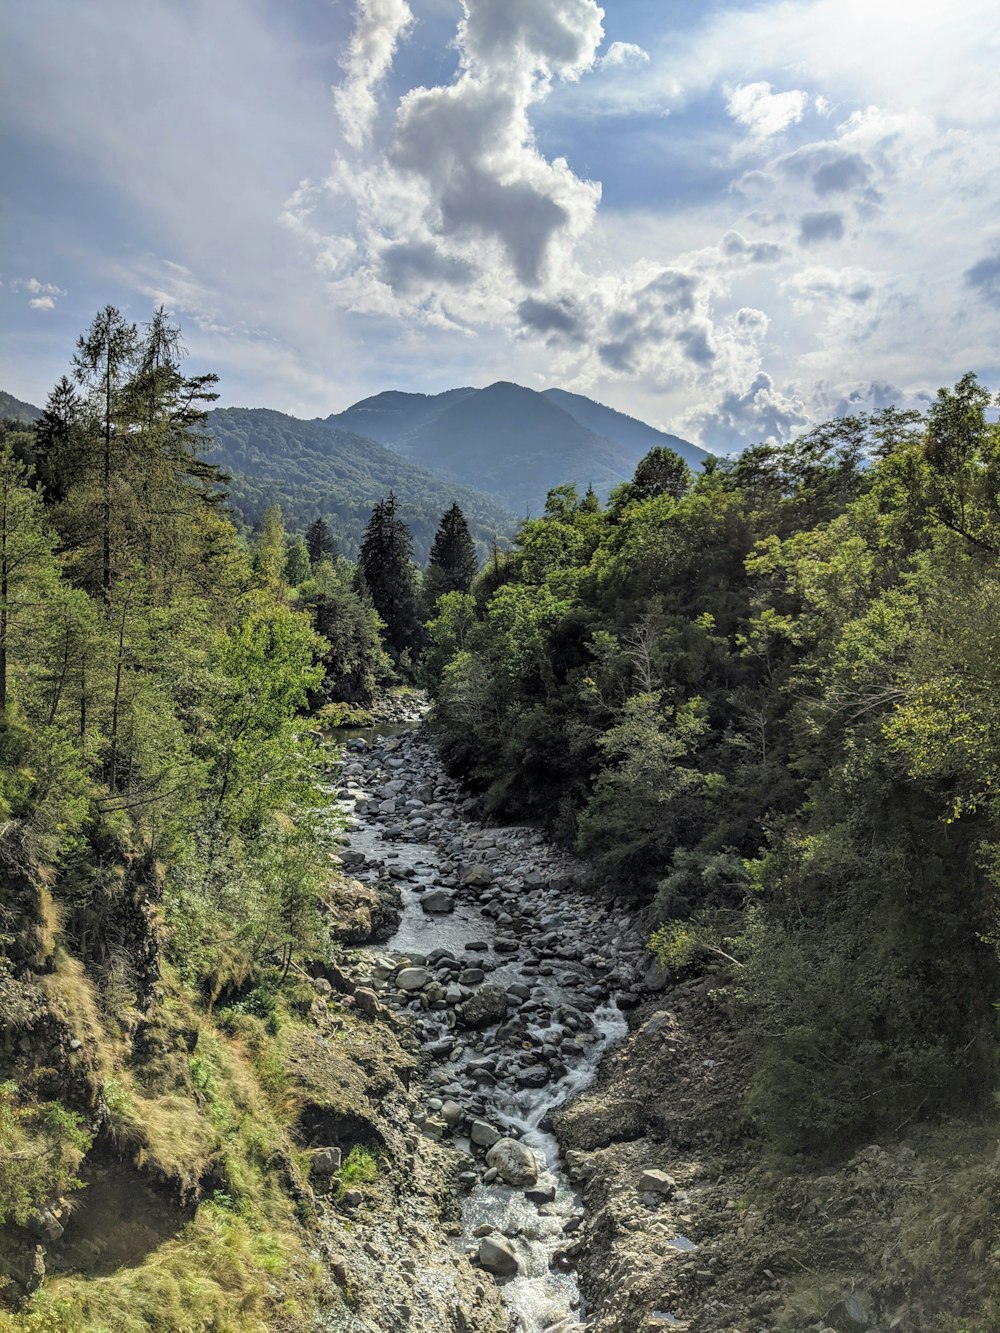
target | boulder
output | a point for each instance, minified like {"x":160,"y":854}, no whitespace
{"x":514,"y":1162}
{"x":476,"y":877}
{"x":325,"y":1161}
{"x":367,"y":1001}
{"x":653,"y":1181}
{"x":488,"y":1005}
{"x":497,"y":1256}
{"x":413,"y":978}
{"x":438,"y":900}
{"x":483,"y":1134}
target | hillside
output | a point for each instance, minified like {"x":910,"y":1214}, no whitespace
{"x":312,"y":471}
{"x":510,"y":441}
{"x":13,"y":409}
{"x":632,"y":434}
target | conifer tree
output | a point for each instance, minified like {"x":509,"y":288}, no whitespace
{"x":386,"y":565}
{"x":320,"y":541}
{"x":453,"y":564}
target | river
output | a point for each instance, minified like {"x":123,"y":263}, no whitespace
{"x":513,"y":982}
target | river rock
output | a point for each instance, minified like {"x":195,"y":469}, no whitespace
{"x":483,"y":1134}
{"x":438,"y":900}
{"x":367,"y":1001}
{"x":487,"y":1005}
{"x":325,"y":1161}
{"x":451,"y":1113}
{"x":514,"y":1162}
{"x":413,"y":978}
{"x":476,"y":877}
{"x":496,"y":1256}
{"x":653,"y":1181}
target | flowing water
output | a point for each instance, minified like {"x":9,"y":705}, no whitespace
{"x":531,"y":928}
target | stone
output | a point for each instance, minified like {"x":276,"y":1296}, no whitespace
{"x":476,"y":877}
{"x":413,"y":978}
{"x":325,"y":1161}
{"x":438,"y":900}
{"x":496,"y":1256}
{"x":653,"y":1181}
{"x":541,"y":1193}
{"x":515,"y":1163}
{"x":451,"y":1113}
{"x":483,"y":1134}
{"x":367,"y":1001}
{"x":488,"y":1005}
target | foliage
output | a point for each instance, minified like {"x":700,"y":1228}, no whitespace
{"x":388,"y":577}
{"x":773,"y":688}
{"x":312,"y":471}
{"x":41,"y":1147}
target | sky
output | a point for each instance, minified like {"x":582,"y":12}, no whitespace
{"x":732,"y":220}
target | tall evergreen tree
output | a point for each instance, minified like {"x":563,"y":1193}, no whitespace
{"x":320,"y":541}
{"x":386,"y":565}
{"x":453,"y":564}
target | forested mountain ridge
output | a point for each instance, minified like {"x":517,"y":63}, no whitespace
{"x":312,"y":471}
{"x":761,"y":687}
{"x":511,"y":441}
{"x":13,"y":409}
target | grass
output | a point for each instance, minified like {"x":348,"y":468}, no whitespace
{"x":218,"y":1118}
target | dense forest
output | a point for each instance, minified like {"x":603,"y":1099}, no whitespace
{"x":164,"y":842}
{"x":762,"y":702}
{"x":310,"y":468}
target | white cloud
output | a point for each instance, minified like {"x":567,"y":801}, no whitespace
{"x":625,"y":55}
{"x":379,"y":26}
{"x":763,"y":111}
{"x":42,"y":295}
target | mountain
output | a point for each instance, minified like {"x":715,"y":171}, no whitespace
{"x":314,"y":471}
{"x":12,"y":409}
{"x":511,"y":442}
{"x":627,"y":431}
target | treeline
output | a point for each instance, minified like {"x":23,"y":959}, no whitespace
{"x":156,"y":669}
{"x":765,"y":701}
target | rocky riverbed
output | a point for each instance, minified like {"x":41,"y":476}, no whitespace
{"x":514,"y":982}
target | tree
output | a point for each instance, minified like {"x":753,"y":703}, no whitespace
{"x":320,"y":541}
{"x":453,"y":563}
{"x":387,"y":568}
{"x":104,"y":357}
{"x":661,"y":472}
{"x":269,"y":549}
{"x":296,"y":569}
{"x":27,"y":569}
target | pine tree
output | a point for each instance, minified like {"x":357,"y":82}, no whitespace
{"x":386,"y":565}
{"x":320,"y":541}
{"x":453,"y":564}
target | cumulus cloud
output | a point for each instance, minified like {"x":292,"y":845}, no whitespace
{"x":759,"y":413}
{"x":379,"y":25}
{"x":624,"y":55}
{"x":824,"y":226}
{"x":561,"y":316}
{"x":736,"y":246}
{"x":984,"y":275}
{"x":763,"y":111}
{"x":41,"y":295}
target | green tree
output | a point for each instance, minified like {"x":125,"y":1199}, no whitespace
{"x":296,"y":568}
{"x":386,"y":565}
{"x":453,"y":563}
{"x":320,"y":542}
{"x":105,"y":356}
{"x":27,"y":567}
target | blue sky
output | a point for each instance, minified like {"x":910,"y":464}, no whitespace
{"x":731,"y":220}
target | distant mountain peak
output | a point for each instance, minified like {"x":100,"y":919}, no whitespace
{"x":510,"y":441}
